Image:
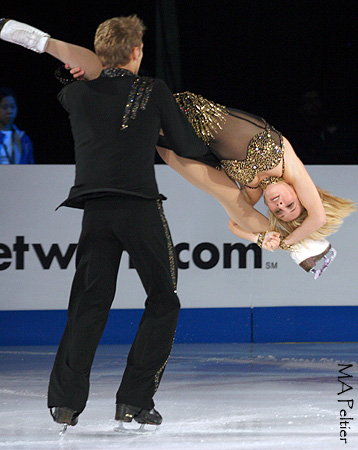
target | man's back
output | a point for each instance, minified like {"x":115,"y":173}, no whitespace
{"x":115,"y":121}
{"x":114,"y":145}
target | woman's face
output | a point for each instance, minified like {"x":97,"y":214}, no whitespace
{"x":282,"y":201}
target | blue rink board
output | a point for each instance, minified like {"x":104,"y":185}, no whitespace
{"x":201,"y":325}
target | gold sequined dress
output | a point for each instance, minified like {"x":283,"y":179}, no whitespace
{"x":240,"y":143}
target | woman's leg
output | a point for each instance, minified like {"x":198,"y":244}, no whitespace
{"x":75,"y":56}
{"x":36,"y":40}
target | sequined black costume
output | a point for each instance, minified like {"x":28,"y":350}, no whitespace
{"x":115,"y":122}
{"x":240,"y":143}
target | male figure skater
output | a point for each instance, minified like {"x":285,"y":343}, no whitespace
{"x":115,"y":122}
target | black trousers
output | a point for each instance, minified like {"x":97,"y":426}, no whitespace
{"x":111,"y":225}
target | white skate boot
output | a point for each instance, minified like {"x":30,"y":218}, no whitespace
{"x":308,"y":253}
{"x":24,"y":35}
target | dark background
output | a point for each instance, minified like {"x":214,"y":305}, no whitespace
{"x":292,"y":62}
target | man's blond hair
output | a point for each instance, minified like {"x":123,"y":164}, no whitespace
{"x":115,"y":38}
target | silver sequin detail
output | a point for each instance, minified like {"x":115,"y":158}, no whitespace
{"x":112,"y":72}
{"x":158,"y":375}
{"x":137,"y":99}
{"x":138,"y":95}
{"x":172,"y":266}
{"x":172,"y":269}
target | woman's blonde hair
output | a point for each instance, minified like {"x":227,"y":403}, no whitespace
{"x":115,"y":38}
{"x":336,"y":209}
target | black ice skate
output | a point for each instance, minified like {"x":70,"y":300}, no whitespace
{"x":65,"y":416}
{"x":126,"y":413}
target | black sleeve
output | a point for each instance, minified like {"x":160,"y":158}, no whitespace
{"x":64,"y":76}
{"x":179,"y":134}
{"x":68,"y":94}
{"x":61,"y":96}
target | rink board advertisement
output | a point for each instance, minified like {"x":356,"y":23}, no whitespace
{"x":229,"y":290}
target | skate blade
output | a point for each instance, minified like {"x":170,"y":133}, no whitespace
{"x":327,"y":260}
{"x":63,"y":430}
{"x":133,"y":429}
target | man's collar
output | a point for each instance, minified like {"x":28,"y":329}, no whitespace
{"x":116,"y":72}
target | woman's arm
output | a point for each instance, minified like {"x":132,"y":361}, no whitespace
{"x":297,"y":175}
{"x":218,"y":185}
{"x":271,"y":239}
{"x":75,"y":56}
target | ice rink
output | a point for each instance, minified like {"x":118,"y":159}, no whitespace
{"x":212,"y":396}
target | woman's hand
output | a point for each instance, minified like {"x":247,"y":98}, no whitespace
{"x":271,"y":241}
{"x":76,"y":72}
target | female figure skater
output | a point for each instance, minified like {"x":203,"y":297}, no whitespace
{"x":252,"y":153}
{"x":262,"y":162}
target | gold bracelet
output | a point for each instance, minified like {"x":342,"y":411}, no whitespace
{"x":283,"y":244}
{"x":260,"y":238}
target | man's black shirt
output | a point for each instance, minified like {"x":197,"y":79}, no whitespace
{"x":115,"y":121}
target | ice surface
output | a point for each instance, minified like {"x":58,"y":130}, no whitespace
{"x":212,"y":396}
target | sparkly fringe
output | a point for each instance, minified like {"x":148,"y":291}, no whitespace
{"x":205,"y":116}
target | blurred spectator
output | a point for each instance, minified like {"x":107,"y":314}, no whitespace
{"x":319,"y":137}
{"x":15,"y":145}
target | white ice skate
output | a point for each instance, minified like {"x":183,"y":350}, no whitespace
{"x":24,"y":35}
{"x":308,"y":253}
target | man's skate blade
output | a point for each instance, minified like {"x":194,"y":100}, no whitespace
{"x":63,"y":429}
{"x":135,"y":428}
